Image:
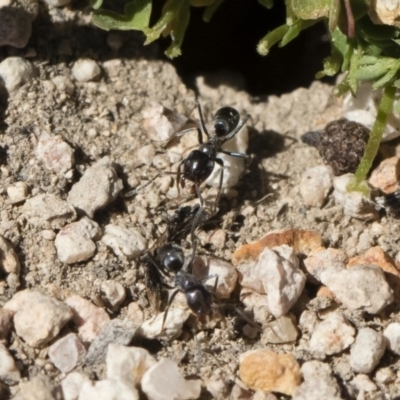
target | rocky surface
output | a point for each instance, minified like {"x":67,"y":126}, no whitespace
{"x":306,"y":301}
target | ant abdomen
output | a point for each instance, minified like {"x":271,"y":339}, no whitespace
{"x":171,"y":257}
{"x":226,"y":119}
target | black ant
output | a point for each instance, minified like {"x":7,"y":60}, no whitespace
{"x":167,"y":259}
{"x":199,"y":164}
{"x":167,"y":269}
{"x":175,"y":274}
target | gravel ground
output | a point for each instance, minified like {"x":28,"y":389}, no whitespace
{"x":80,"y":134}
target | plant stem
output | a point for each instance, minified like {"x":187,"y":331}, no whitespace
{"x":375,"y":137}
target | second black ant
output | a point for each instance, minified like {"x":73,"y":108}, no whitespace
{"x":200,"y":163}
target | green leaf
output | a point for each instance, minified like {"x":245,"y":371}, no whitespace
{"x":210,"y":10}
{"x":354,"y":65}
{"x":265,"y":44}
{"x":267,"y":3}
{"x":369,"y":72}
{"x":385,"y":80}
{"x":334,"y":14}
{"x":178,"y":28}
{"x":331,"y":67}
{"x":396,"y":107}
{"x":136,"y":17}
{"x":310,"y":9}
{"x":96,"y":4}
{"x":294,"y":31}
{"x":169,"y":12}
{"x":342,"y":88}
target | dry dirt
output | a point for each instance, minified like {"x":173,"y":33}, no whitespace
{"x":111,"y":107}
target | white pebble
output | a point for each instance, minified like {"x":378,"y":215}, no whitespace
{"x":38,"y":318}
{"x":87,"y":317}
{"x":107,"y":389}
{"x":64,"y":84}
{"x":71,"y":385}
{"x":363,"y":383}
{"x":319,"y":383}
{"x":367,"y":350}
{"x":385,"y":375}
{"x":40,"y":387}
{"x":74,"y":241}
{"x":282,"y":330}
{"x":360,"y":287}
{"x":113,"y":293}
{"x":17,"y":192}
{"x":354,"y":204}
{"x":48,"y":210}
{"x":9,"y":260}
{"x":392,"y":335}
{"x":308,"y":321}
{"x":151,"y":328}
{"x":315,"y":185}
{"x":332,"y":335}
{"x":15,"y":71}
{"x":233,"y":166}
{"x":128,"y":364}
{"x":323,"y":260}
{"x":9,"y":372}
{"x":145,"y":155}
{"x":123,"y":241}
{"x":161,"y":123}
{"x":276,"y":273}
{"x":257,"y":303}
{"x":67,"y":352}
{"x":56,"y":154}
{"x":98,"y":187}
{"x":85,"y":70}
{"x":363,"y":107}
{"x":163,"y":381}
{"x":221,"y":272}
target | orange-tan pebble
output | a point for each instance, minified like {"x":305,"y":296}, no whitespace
{"x":387,"y":175}
{"x":268,"y":371}
{"x":302,"y":242}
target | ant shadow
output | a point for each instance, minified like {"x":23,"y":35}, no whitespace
{"x":255,"y":183}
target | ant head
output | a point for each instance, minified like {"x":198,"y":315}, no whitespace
{"x":226,"y":119}
{"x":171,"y":257}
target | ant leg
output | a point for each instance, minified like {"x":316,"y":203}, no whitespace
{"x":247,"y":157}
{"x":178,"y":176}
{"x":237,"y":129}
{"x":170,"y":300}
{"x":196,"y":219}
{"x":202,"y":124}
{"x":221,"y":178}
{"x":139,"y":188}
{"x":190,"y":263}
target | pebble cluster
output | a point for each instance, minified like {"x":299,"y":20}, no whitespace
{"x":328,"y":316}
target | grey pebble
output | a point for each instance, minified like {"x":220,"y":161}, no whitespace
{"x":116,"y":331}
{"x":98,"y":187}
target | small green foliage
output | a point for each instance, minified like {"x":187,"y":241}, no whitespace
{"x":384,"y":110}
{"x":173,"y":22}
{"x":136,"y":17}
{"x":361,"y":49}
